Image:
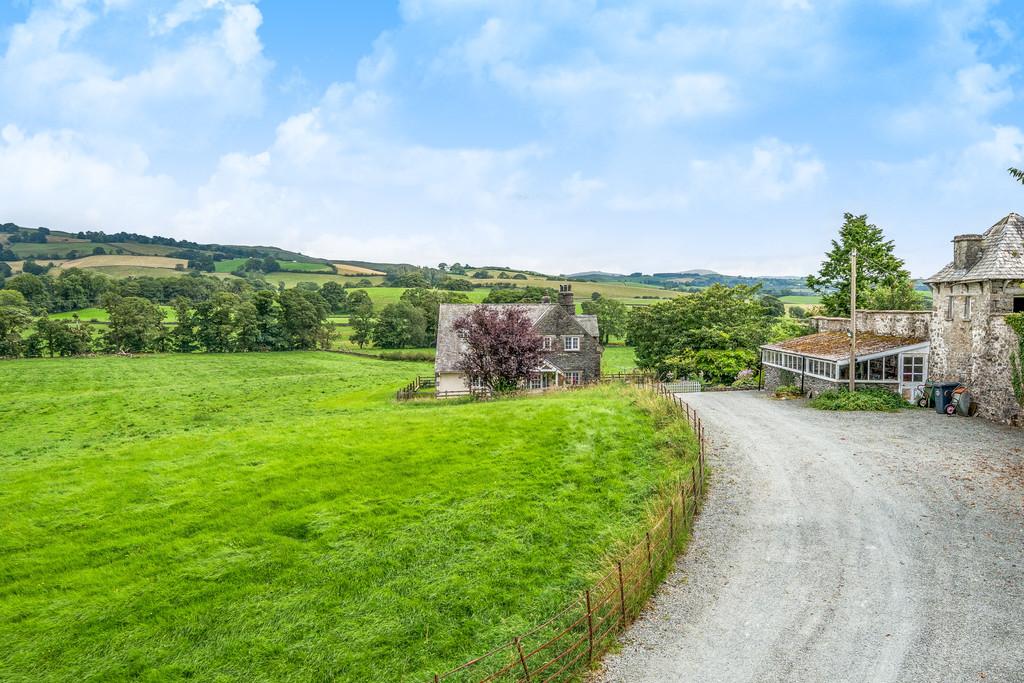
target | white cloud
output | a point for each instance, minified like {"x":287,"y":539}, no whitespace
{"x":771,"y":170}
{"x":217,"y":73}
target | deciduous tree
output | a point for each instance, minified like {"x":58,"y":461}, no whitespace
{"x":502,"y":347}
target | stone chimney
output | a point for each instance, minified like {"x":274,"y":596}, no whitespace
{"x":565,"y":299}
{"x":967,"y":251}
{"x":545,"y":299}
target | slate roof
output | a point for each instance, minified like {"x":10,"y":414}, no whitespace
{"x":1002,"y":256}
{"x":450,"y":347}
{"x":836,"y":345}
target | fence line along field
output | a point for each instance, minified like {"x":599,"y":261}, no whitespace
{"x":246,"y":517}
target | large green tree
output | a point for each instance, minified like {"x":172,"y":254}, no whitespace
{"x":14,"y":318}
{"x":401,"y":325}
{"x":611,"y":316}
{"x":135,"y":324}
{"x":877,"y":267}
{"x":700,"y":330}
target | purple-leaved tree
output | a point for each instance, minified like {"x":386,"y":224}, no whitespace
{"x":502,"y":348}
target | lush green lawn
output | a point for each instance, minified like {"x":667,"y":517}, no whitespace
{"x":618,"y":359}
{"x":279,"y":517}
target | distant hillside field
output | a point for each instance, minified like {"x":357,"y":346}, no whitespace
{"x":346,"y":269}
{"x":280,"y":517}
{"x":125,"y":260}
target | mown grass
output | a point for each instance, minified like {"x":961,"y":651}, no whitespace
{"x":871,"y":399}
{"x":279,"y":517}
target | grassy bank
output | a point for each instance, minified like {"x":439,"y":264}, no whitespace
{"x":279,"y":517}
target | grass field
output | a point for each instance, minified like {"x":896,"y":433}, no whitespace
{"x":279,"y":517}
{"x":233,"y":264}
{"x":101,"y":315}
{"x":126,"y":260}
{"x":28,"y":249}
{"x":801,"y":299}
{"x":583,"y":290}
{"x":618,"y":359}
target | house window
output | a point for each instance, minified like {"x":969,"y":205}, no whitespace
{"x":548,"y":343}
{"x":949,"y":308}
{"x":968,"y":302}
{"x":573,"y":377}
{"x":1018,"y":304}
{"x":913,"y":369}
{"x":536,"y":381}
{"x":478,"y":383}
{"x":572,"y":343}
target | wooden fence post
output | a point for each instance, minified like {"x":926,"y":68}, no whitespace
{"x":522,"y":659}
{"x":672,"y":524}
{"x":622,"y":597}
{"x":650,"y":568}
{"x":590,"y":629}
{"x":682,"y":499}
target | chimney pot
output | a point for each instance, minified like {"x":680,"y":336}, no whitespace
{"x":565,"y":299}
{"x":545,"y":299}
{"x":967,"y":250}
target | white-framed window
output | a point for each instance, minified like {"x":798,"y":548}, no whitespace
{"x":548,"y":343}
{"x":572,"y":343}
{"x":913,"y":368}
{"x":478,"y":383}
{"x":573,"y":377}
{"x":968,"y":305}
{"x":536,"y":381}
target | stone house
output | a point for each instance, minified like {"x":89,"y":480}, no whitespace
{"x":571,"y":344}
{"x":964,"y":338}
{"x":970,"y":340}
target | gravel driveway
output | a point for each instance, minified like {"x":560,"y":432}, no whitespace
{"x":843,"y":547}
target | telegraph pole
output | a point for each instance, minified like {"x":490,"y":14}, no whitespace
{"x":853,"y":320}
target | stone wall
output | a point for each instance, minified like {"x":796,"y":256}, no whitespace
{"x":892,"y":323}
{"x":776,"y":377}
{"x":975,"y":351}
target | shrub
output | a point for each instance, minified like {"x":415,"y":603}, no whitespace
{"x":788,"y":391}
{"x":417,"y":356}
{"x":862,"y":399}
{"x":750,"y":379}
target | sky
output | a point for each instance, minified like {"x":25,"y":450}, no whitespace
{"x":556,"y":135}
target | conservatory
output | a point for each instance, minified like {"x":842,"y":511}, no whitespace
{"x":818,"y":362}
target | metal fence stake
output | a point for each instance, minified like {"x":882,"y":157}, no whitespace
{"x":522,"y":659}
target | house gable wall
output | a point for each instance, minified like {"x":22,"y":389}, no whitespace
{"x":558,"y":323}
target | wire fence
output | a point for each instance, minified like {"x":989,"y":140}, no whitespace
{"x":577,"y":635}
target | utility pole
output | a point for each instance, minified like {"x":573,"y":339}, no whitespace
{"x":853,"y":320}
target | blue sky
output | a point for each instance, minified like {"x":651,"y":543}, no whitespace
{"x":558,"y":135}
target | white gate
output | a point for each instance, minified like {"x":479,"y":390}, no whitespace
{"x":684,"y":386}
